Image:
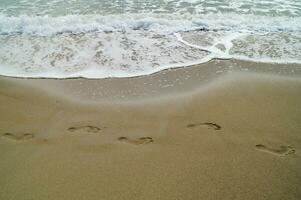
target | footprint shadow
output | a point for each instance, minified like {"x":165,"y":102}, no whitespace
{"x":283,"y":150}
{"x":139,"y":141}
{"x":209,"y":125}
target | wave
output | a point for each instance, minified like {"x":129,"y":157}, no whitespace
{"x":47,"y":25}
{"x":95,"y":46}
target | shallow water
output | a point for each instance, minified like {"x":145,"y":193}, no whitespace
{"x":114,"y":38}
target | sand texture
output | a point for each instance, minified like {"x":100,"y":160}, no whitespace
{"x":236,"y":135}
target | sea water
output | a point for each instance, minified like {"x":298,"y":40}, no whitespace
{"x":124,"y":38}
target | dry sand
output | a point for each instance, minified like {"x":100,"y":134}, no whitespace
{"x":223,"y":130}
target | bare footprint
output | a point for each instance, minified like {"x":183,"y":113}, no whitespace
{"x":209,"y":125}
{"x":84,"y":129}
{"x":18,"y":137}
{"x":123,"y":139}
{"x":139,"y":141}
{"x":144,"y":140}
{"x":283,"y":150}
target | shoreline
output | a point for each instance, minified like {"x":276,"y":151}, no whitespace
{"x":240,"y":62}
{"x":165,"y":84}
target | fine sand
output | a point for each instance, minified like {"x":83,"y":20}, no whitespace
{"x":221,"y":130}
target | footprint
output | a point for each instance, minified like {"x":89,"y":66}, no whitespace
{"x":123,"y":139}
{"x":139,"y":141}
{"x":84,"y":129}
{"x":209,"y":125}
{"x":283,"y":150}
{"x":144,"y":140}
{"x":18,"y":137}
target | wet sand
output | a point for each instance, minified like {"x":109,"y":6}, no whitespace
{"x":223,"y":130}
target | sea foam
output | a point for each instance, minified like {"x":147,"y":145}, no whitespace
{"x":124,"y":45}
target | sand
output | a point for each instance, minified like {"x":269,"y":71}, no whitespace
{"x":221,"y":130}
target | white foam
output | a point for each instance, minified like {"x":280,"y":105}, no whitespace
{"x":227,"y":42}
{"x":110,"y":54}
{"x":46,"y":25}
{"x":95,"y":46}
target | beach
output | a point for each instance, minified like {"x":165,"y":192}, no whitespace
{"x":225,"y":129}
